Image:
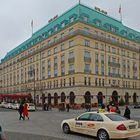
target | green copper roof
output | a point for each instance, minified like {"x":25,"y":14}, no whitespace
{"x":78,"y":13}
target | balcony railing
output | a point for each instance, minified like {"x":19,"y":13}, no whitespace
{"x":112,"y":64}
{"x":87,"y":59}
{"x":87,"y":71}
{"x":71,"y":71}
{"x":71,"y":60}
{"x":80,"y":32}
{"x":114,"y":75}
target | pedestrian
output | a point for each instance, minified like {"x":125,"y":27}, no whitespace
{"x":118,"y":110}
{"x":67,"y":107}
{"x":127,"y":112}
{"x":112,"y":108}
{"x":25,"y":111}
{"x":20,"y":110}
{"x":108,"y":107}
{"x":44,"y":107}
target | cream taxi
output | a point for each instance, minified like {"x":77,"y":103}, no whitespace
{"x":103,"y":125}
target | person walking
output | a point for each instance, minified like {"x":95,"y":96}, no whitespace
{"x":127,"y":112}
{"x":25,"y":111}
{"x":20,"y":110}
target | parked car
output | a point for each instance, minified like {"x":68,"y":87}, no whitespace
{"x":4,"y":104}
{"x":15,"y":106}
{"x":9,"y":105}
{"x":103,"y":125}
{"x":137,"y":106}
{"x":31,"y":107}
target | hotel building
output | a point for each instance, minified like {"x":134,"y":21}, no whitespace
{"x":82,"y":56}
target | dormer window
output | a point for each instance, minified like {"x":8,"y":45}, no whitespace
{"x":63,"y":24}
{"x":85,"y":18}
{"x":56,"y":28}
{"x":71,"y":19}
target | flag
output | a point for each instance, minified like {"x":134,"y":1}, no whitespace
{"x":120,"y":9}
{"x":32,"y":26}
{"x":120,"y":12}
{"x":32,"y":23}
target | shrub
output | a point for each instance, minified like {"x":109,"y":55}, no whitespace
{"x":121,"y":102}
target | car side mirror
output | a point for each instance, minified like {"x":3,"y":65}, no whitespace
{"x":76,"y":119}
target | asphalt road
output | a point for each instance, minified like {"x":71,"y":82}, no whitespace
{"x":44,"y":125}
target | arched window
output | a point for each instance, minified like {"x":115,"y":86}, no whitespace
{"x":100,"y":98}
{"x":134,"y":98}
{"x":87,"y":97}
{"x":115,"y":97}
{"x":49,"y":99}
{"x":72,"y":98}
{"x":55,"y":99}
{"x":63,"y":97}
{"x":127,"y":98}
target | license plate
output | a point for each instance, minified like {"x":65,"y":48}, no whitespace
{"x":132,"y":126}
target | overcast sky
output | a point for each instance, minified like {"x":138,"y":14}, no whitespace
{"x":16,"y":16}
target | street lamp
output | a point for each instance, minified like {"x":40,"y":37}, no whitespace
{"x":33,"y":72}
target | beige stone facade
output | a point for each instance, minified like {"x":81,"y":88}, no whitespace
{"x":81,"y":60}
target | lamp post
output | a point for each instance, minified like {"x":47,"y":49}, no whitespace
{"x":33,"y":72}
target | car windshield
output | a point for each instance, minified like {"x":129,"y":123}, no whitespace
{"x":116,"y":117}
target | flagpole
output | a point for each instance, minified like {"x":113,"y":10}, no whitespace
{"x":79,"y":1}
{"x":120,"y":11}
{"x":32,"y":26}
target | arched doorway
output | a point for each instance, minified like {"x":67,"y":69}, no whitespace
{"x":72,"y":98}
{"x":100,"y":98}
{"x":127,"y":98}
{"x":63,"y":97}
{"x":87,"y":97}
{"x":55,"y":99}
{"x":49,"y":99}
{"x":115,"y":97}
{"x":134,"y":98}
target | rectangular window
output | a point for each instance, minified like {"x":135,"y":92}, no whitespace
{"x":49,"y":52}
{"x":62,"y":47}
{"x":96,"y":57}
{"x":96,"y":69}
{"x":96,"y":45}
{"x":62,"y":59}
{"x":102,"y":47}
{"x":71,"y":43}
{"x":87,"y":68}
{"x":102,"y":70}
{"x":55,"y":50}
{"x":87,"y":43}
{"x":71,"y":54}
{"x":114,"y":50}
{"x":87,"y":54}
{"x":62,"y":70}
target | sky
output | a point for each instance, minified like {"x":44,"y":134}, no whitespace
{"x":16,"y":16}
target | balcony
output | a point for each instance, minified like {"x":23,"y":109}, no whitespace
{"x":114,"y":75}
{"x":112,"y":64}
{"x":71,"y":60}
{"x":62,"y":62}
{"x":71,"y":71}
{"x":134,"y":68}
{"x":87,"y":59}
{"x":83,"y":33}
{"x":87,"y":71}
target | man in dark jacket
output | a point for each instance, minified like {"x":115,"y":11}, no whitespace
{"x":20,"y":110}
{"x":127,"y":112}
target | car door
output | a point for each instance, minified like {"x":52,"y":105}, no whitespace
{"x":94,"y":123}
{"x":80,"y":123}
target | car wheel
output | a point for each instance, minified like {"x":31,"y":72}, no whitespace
{"x":66,"y":128}
{"x":102,"y":135}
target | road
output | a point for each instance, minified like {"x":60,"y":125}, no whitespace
{"x":45,"y":123}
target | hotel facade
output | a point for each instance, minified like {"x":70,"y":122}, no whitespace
{"x":82,"y":56}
